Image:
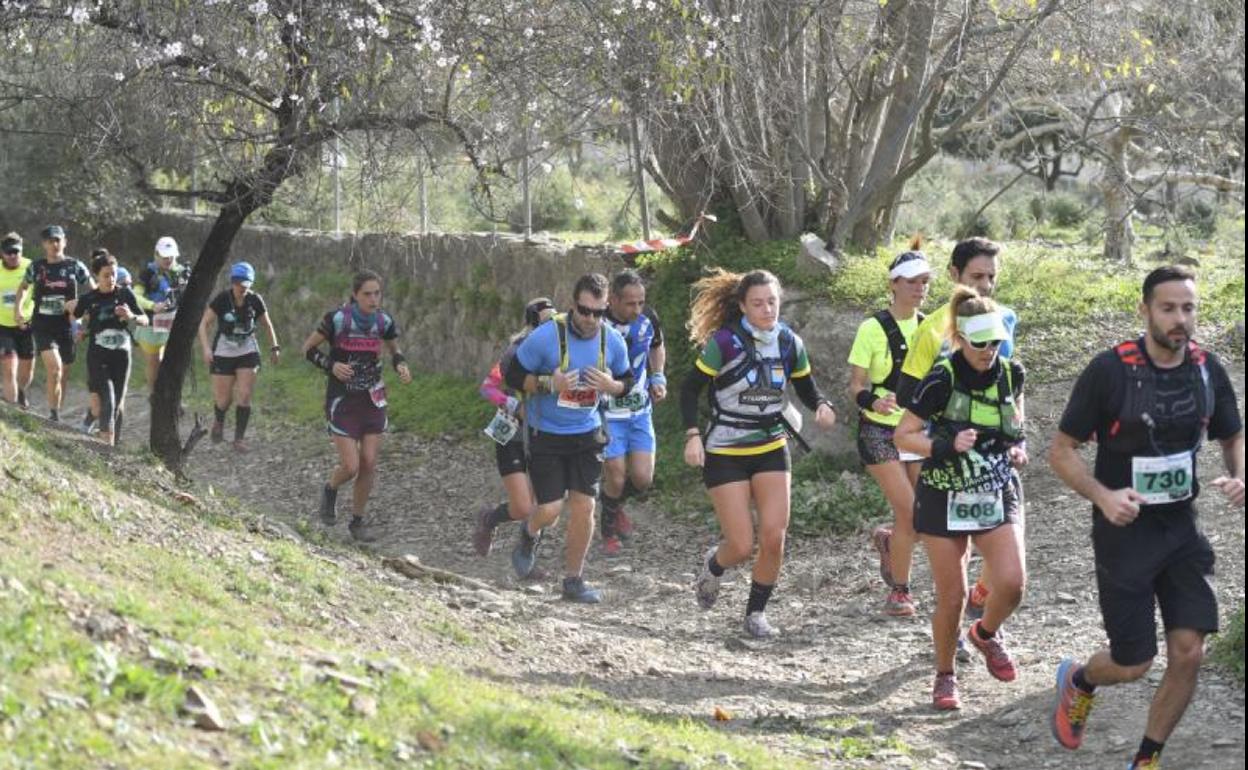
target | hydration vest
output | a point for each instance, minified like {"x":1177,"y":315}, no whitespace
{"x":754,"y":361}
{"x":1131,"y":433}
{"x":991,"y":410}
{"x":561,"y":330}
{"x":369,"y":339}
{"x":897,"y":349}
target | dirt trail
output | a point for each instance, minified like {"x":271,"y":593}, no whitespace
{"x":840,"y":667}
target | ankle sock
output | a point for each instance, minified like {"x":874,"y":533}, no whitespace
{"x":760,"y":593}
{"x":1079,"y":681}
{"x":1149,"y":749}
{"x":714,"y":567}
{"x":983,"y":633}
{"x":500,"y":515}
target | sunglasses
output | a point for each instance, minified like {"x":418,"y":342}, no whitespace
{"x":13,"y":253}
{"x":588,"y":312}
{"x":984,"y":345}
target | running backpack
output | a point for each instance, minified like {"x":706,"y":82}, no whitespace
{"x":561,"y":329}
{"x":897,"y":347}
{"x":752,"y":360}
{"x":1131,"y":432}
{"x":960,"y":412}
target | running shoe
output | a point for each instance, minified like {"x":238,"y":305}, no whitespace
{"x":623,"y":524}
{"x":1071,"y":707}
{"x":612,"y":547}
{"x":217,"y":434}
{"x":483,"y":532}
{"x":756,"y":625}
{"x":329,"y":505}
{"x":707,"y":585}
{"x":524,"y":557}
{"x":88,"y":423}
{"x":964,"y":653}
{"x":899,"y":604}
{"x":54,"y":415}
{"x":976,"y":600}
{"x":998,"y":659}
{"x":362,"y":531}
{"x":240,"y":446}
{"x":22,"y":401}
{"x":945,"y":693}
{"x":575,"y":589}
{"x":882,"y":537}
{"x":1146,"y":763}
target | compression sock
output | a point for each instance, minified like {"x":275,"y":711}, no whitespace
{"x":760,"y":593}
{"x":1083,"y":684}
{"x":1149,"y":749}
{"x":242,"y":415}
{"x":218,"y":414}
{"x":610,"y":509}
{"x":500,"y":515}
{"x":713,"y":566}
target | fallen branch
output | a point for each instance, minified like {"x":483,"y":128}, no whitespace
{"x":409,"y":566}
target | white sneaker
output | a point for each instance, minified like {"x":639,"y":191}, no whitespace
{"x":756,"y":625}
{"x":707,"y":585}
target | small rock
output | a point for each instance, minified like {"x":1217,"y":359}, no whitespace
{"x":1065,"y":598}
{"x":258,"y":557}
{"x":57,"y":699}
{"x":733,"y":644}
{"x":104,"y":626}
{"x":364,"y":705}
{"x":970,"y":764}
{"x":346,"y":680}
{"x":201,"y":707}
{"x":534,"y":588}
{"x":430,"y":742}
{"x":1225,"y":743}
{"x":620,"y":569}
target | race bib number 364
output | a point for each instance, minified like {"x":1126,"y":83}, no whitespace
{"x":1163,"y":479}
{"x":975,"y":511}
{"x":585,"y":399}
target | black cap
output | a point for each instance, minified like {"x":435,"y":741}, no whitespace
{"x":533,"y":311}
{"x":53,"y":231}
{"x":11,"y":244}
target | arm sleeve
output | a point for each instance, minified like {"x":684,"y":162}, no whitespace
{"x":1226,"y":422}
{"x":132,"y":302}
{"x":326,"y":326}
{"x":658,"y":329}
{"x":391,"y":332}
{"x":808,"y":392}
{"x":689,"y":392}
{"x":515,"y":373}
{"x":492,"y":387}
{"x":84,"y":304}
{"x":932,"y":394}
{"x":1084,"y":411}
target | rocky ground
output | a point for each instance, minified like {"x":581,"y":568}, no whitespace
{"x":840,"y":667}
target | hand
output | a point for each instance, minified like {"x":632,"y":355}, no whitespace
{"x":658,"y":393}
{"x":123,"y":312}
{"x":965,"y":440}
{"x":405,"y":374}
{"x":695,"y":454}
{"x":1120,"y":506}
{"x":70,"y":305}
{"x":886,"y":405}
{"x":825,"y":417}
{"x":1018,"y":456}
{"x":17,"y":318}
{"x":1231,"y":488}
{"x":159,"y":307}
{"x":564,"y":380}
{"x":343,"y":371}
{"x":602,"y":381}
{"x":207,"y":357}
{"x":275,"y":356}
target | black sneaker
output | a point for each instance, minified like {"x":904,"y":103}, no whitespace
{"x":54,"y":415}
{"x":22,"y":401}
{"x":329,"y":505}
{"x":524,"y":557}
{"x":88,"y":424}
{"x":575,"y":589}
{"x":361,"y":530}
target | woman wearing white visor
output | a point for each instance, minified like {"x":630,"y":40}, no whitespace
{"x":875,"y":361}
{"x":967,"y":487}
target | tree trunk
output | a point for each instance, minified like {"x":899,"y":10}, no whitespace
{"x":166,"y":441}
{"x":1115,"y":187}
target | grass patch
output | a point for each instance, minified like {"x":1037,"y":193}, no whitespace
{"x":1228,"y":649}
{"x":254,"y":607}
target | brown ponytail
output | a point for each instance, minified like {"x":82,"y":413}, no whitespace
{"x":964,"y":303}
{"x":717,"y":299}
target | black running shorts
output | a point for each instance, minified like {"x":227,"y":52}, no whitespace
{"x":510,"y":457}
{"x":228,"y":365}
{"x":932,"y":515}
{"x":18,"y":342}
{"x":721,"y":469}
{"x":54,"y":334}
{"x":1159,"y":559}
{"x":560,"y":464}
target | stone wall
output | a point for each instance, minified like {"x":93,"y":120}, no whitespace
{"x":456,"y":297}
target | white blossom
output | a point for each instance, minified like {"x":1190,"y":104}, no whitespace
{"x":173,"y":50}
{"x":197,"y":41}
{"x":259,"y":7}
{"x":78,"y":14}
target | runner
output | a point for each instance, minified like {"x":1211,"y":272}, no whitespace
{"x":108,"y":310}
{"x":1148,"y":403}
{"x":159,"y":289}
{"x":875,"y":360}
{"x":355,"y":395}
{"x":91,"y":418}
{"x":629,"y":460}
{"x":748,"y":356}
{"x":974,"y":263}
{"x":569,"y":362}
{"x":55,"y":279}
{"x":505,"y":429}
{"x":17,"y":342}
{"x":968,"y":488}
{"x":233,"y":356}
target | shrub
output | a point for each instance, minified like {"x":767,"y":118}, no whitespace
{"x":839,"y":506}
{"x":1066,"y":210}
{"x":1199,"y":217}
{"x":981,"y":224}
{"x":1228,"y":650}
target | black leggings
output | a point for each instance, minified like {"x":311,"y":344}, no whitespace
{"x":108,"y":372}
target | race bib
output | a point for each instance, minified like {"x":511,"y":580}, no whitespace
{"x":975,"y":511}
{"x":113,"y":339}
{"x":762,"y":397}
{"x":503,"y":428}
{"x":52,"y":305}
{"x":163,"y":322}
{"x":9,"y":298}
{"x":378,"y":394}
{"x":583,"y":399}
{"x":1163,"y":480}
{"x":633,"y":401}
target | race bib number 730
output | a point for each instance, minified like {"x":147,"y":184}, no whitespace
{"x":1163,"y":479}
